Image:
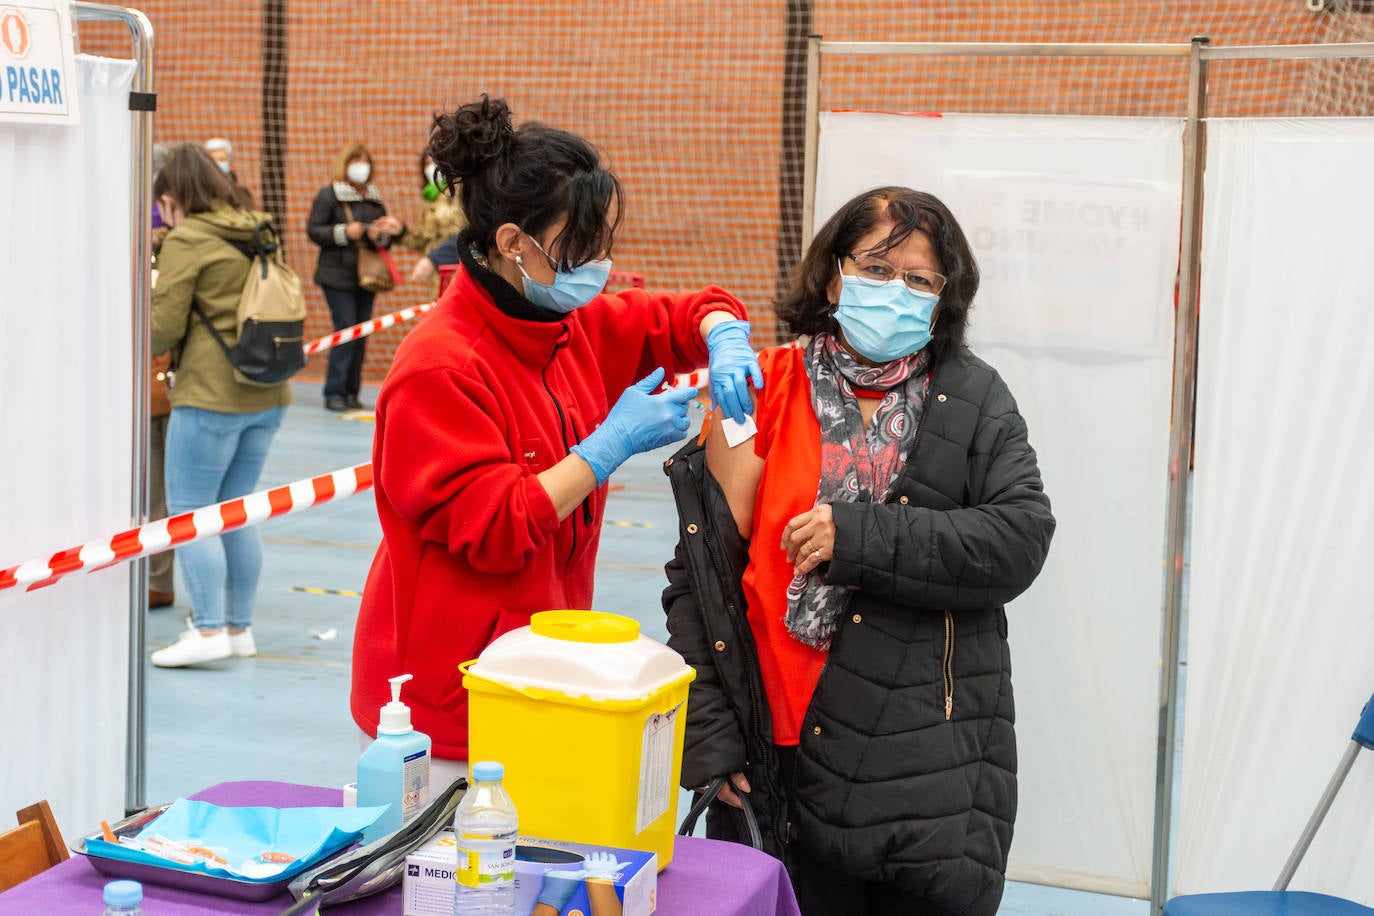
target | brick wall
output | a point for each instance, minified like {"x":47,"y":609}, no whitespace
{"x":685,"y":98}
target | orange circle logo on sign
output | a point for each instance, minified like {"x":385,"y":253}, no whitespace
{"x":14,"y":33}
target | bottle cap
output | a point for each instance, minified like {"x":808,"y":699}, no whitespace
{"x":395,"y":718}
{"x":488,"y":771}
{"x":123,"y":893}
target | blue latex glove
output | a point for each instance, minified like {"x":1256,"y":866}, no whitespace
{"x":558,"y":888}
{"x":733,"y":365}
{"x":639,"y":422}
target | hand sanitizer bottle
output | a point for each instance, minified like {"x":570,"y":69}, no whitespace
{"x":394,"y":770}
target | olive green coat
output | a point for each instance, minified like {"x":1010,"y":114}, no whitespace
{"x":197,"y":264}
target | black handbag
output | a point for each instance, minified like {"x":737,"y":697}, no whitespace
{"x":702,"y":800}
{"x":371,"y":869}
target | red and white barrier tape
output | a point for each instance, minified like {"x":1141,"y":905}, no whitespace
{"x":211,"y":521}
{"x":627,"y":278}
{"x":164,"y":534}
{"x":692,"y":379}
{"x":366,"y":329}
{"x":697,"y":379}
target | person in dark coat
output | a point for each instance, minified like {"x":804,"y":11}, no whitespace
{"x":840,"y":580}
{"x":347,"y":213}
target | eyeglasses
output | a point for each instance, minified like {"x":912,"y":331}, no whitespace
{"x":876,"y":272}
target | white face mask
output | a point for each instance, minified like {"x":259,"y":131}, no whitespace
{"x":430,"y":171}
{"x":359,"y":172}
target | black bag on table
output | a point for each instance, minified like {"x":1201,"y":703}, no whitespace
{"x":371,"y":869}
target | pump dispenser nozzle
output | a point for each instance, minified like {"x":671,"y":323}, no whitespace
{"x":395,"y":719}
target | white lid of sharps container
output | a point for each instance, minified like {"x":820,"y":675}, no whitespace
{"x":588,"y":654}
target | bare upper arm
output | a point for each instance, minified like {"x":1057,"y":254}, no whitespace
{"x":738,"y":471}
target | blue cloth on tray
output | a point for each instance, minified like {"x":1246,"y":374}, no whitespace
{"x":240,"y":835}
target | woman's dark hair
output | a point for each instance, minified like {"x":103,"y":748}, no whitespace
{"x":192,"y":179}
{"x":805,"y":306}
{"x":529,"y":176}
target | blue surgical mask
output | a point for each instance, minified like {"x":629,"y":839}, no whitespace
{"x":886,"y":322}
{"x":571,"y":289}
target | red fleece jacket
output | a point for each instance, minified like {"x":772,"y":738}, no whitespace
{"x":475,"y":405}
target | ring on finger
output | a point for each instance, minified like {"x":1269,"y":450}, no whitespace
{"x":808,"y":546}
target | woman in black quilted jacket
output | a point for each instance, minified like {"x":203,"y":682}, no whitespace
{"x":841,"y":575}
{"x":346,"y":214}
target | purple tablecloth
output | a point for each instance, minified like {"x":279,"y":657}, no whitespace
{"x":706,"y":876}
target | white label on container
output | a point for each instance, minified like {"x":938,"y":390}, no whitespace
{"x":656,"y":767}
{"x":414,"y":785}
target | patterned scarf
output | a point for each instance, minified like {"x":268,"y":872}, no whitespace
{"x":856,"y":464}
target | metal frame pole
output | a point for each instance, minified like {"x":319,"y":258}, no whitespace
{"x":1185,"y":386}
{"x":141,"y":32}
{"x":1180,"y":447}
{"x":1004,"y":49}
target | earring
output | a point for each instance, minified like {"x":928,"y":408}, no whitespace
{"x":518,"y":262}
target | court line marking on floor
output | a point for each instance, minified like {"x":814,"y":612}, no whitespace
{"x":311,"y":590}
{"x":628,"y":524}
{"x":315,"y":542}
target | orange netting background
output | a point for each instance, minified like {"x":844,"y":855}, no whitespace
{"x":687,"y":100}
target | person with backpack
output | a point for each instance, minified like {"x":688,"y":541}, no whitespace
{"x":220,"y":427}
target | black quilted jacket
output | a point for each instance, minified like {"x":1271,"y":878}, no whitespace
{"x":338,"y":263}
{"x":906,"y":771}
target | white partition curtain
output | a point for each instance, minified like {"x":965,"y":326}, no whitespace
{"x":1075,"y":222}
{"x":66,"y":359}
{"x":1281,"y":630}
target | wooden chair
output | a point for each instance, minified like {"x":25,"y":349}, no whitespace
{"x":32,"y":847}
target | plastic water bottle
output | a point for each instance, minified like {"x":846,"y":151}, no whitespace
{"x":123,"y":898}
{"x":485,"y":826}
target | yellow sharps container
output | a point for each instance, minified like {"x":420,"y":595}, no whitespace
{"x":588,"y":717}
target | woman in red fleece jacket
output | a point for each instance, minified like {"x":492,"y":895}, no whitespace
{"x":495,"y":426}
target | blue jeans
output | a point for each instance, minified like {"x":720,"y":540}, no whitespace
{"x":211,"y":457}
{"x":347,"y":307}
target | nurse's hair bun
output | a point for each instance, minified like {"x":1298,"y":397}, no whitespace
{"x":471,"y":138}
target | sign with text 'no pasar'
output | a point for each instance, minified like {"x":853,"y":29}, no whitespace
{"x":37,"y":65}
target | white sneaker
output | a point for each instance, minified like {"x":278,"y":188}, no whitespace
{"x":242,"y":643}
{"x":191,"y":648}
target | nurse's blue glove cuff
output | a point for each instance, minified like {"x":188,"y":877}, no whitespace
{"x":558,"y":888}
{"x":639,"y":422}
{"x":733,"y":366}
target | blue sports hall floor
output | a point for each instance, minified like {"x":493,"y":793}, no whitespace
{"x":284,"y":714}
